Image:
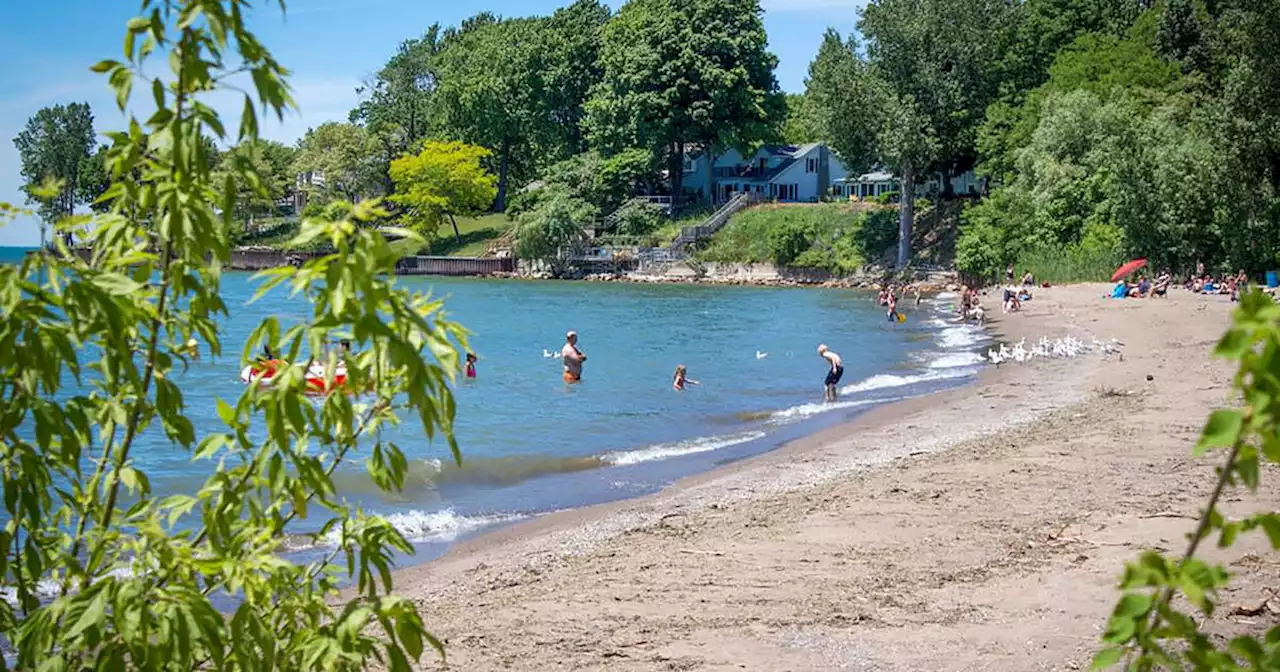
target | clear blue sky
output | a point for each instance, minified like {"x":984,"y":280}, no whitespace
{"x":331,"y":45}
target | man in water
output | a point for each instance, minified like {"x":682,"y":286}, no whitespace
{"x":573,"y":358}
{"x":834,"y":375}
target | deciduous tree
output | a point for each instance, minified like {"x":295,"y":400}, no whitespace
{"x":346,"y":156}
{"x":689,"y":73}
{"x":54,"y":145}
{"x":443,"y":180}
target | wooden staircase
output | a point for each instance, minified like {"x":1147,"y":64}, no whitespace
{"x":709,"y":227}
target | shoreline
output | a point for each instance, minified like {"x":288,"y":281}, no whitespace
{"x":975,"y":528}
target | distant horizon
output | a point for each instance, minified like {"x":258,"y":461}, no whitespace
{"x":324,"y":79}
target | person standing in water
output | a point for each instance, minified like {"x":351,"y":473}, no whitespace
{"x":681,"y":378}
{"x":893,"y":307}
{"x":572,"y":358}
{"x":834,"y":375}
{"x":471,"y":365}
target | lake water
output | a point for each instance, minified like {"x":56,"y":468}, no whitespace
{"x":531,"y":444}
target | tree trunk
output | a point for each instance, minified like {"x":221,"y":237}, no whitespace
{"x":906,"y":216}
{"x":504,"y":165}
{"x":456,"y":236}
{"x":675,"y":169}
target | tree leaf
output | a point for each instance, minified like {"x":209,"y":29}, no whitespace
{"x":1221,"y":431}
{"x":1107,"y":658}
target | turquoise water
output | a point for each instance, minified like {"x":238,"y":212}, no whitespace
{"x":13,"y":255}
{"x":532,"y":444}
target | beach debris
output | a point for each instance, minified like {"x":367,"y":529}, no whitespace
{"x":1062,"y":348}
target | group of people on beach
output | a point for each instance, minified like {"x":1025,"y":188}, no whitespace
{"x":1205,"y":283}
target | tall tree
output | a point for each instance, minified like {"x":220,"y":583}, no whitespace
{"x":492,"y":91}
{"x":800,"y":126}
{"x":922,"y":90}
{"x":571,"y":40}
{"x":396,"y":104}
{"x":844,"y":102}
{"x":54,"y":145}
{"x":263,"y":172}
{"x":346,"y":155}
{"x":697,"y":72}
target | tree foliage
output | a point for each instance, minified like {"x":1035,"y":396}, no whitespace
{"x":548,"y":232}
{"x":263,"y":174}
{"x":55,"y":144}
{"x":915,"y":100}
{"x":1163,"y":133}
{"x":517,"y":87}
{"x":443,"y":180}
{"x":678,"y":74}
{"x":347,"y":158}
{"x":103,"y":573}
{"x":396,"y":104}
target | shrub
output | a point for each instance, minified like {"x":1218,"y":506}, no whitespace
{"x":787,"y":242}
{"x":887,"y":197}
{"x":639,"y":218}
{"x":545,"y":232}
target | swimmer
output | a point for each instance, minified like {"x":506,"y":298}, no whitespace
{"x":471,"y":365}
{"x":681,"y":378}
{"x":834,"y":375}
{"x":572,"y":358}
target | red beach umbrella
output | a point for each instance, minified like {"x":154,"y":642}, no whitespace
{"x":1128,"y":268}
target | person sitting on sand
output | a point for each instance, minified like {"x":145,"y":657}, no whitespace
{"x":681,"y":378}
{"x":1028,"y":280}
{"x":1140,"y":290}
{"x":572,"y":358}
{"x":1161,"y":288}
{"x":471,"y":365}
{"x":833,"y":375}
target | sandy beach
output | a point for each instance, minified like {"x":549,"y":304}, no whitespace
{"x":977,"y":529}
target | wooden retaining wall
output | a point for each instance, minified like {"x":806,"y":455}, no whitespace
{"x":260,"y":260}
{"x":257,"y":260}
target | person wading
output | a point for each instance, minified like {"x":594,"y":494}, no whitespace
{"x":573,"y":358}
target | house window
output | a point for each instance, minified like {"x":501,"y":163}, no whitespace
{"x":810,"y":165}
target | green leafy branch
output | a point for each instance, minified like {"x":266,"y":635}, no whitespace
{"x":1149,"y":629}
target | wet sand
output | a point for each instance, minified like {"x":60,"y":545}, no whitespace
{"x":976,"y":529}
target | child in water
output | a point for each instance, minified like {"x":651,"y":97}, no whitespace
{"x":471,"y":365}
{"x":681,"y":378}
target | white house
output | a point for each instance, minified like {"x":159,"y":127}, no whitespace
{"x":782,"y":172}
{"x":878,"y":182}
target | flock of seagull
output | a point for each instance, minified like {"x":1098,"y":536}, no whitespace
{"x":1065,"y":347}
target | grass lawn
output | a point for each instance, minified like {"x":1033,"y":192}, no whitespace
{"x":474,"y":235}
